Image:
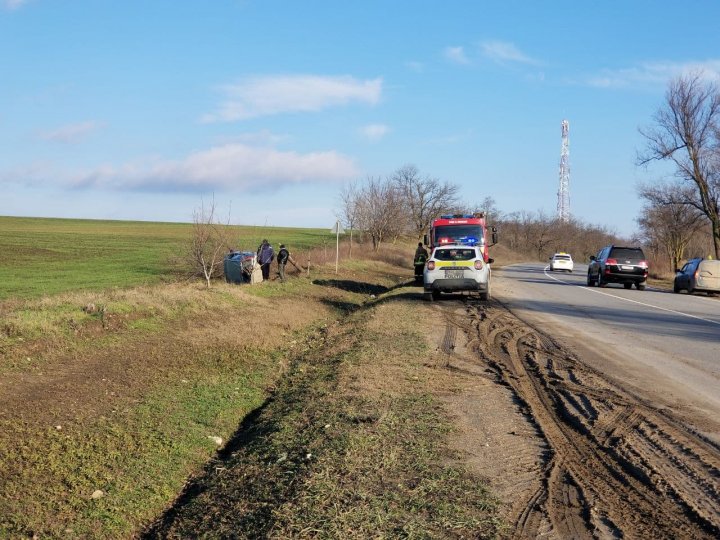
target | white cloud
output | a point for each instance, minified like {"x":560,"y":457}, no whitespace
{"x":374,"y":132}
{"x":456,"y":55}
{"x":503,"y":52}
{"x":235,"y":167}
{"x":71,"y":133}
{"x":263,"y":96}
{"x":264,"y":137}
{"x":35,"y":174}
{"x":14,"y":4}
{"x":653,"y":73}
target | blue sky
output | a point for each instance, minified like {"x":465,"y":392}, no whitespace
{"x":141,"y":110}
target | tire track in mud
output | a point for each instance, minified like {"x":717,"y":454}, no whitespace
{"x":615,"y":467}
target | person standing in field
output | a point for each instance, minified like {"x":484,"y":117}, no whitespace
{"x":266,"y":254}
{"x":282,"y":259}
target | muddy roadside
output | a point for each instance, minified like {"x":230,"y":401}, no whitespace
{"x":560,"y":451}
{"x":389,"y":416}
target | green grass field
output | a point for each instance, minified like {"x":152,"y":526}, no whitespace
{"x":44,"y":256}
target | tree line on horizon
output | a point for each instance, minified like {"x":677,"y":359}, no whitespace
{"x":680,"y":216}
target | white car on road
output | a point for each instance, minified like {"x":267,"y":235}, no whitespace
{"x":561,"y":261}
{"x":456,"y":268}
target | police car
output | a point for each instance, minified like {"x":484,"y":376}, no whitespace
{"x":561,"y":261}
{"x":456,"y":268}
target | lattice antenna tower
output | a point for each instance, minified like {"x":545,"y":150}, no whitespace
{"x":563,"y":195}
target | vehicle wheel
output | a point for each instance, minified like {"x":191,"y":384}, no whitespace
{"x":627,"y":285}
{"x":640,"y":286}
{"x":600,"y":282}
{"x":436,"y":295}
{"x":485,"y":295}
{"x":428,"y":297}
{"x":676,"y":289}
{"x":590,"y":282}
{"x":690,"y":290}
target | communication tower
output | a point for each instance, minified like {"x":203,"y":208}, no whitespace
{"x":563,"y":195}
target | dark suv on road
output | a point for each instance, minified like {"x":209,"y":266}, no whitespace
{"x":617,"y":264}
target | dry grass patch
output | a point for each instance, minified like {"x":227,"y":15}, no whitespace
{"x":124,"y":400}
{"x":353,"y":445}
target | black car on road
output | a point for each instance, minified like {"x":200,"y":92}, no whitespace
{"x":618,"y":264}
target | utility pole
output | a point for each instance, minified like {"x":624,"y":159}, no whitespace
{"x":338,"y":230}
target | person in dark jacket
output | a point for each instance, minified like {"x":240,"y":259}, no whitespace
{"x":266,"y":254}
{"x":282,"y":260}
{"x":421,"y":255}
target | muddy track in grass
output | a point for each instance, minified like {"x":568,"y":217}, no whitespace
{"x":615,"y":467}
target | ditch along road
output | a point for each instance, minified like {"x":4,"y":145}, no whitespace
{"x":595,"y":441}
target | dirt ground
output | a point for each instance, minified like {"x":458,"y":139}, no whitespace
{"x":570,"y":454}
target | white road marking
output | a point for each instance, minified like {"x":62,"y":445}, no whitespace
{"x":632,"y":301}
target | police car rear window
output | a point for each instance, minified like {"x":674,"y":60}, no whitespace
{"x":454,"y":254}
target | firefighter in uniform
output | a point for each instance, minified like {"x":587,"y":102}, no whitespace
{"x":421,"y":256}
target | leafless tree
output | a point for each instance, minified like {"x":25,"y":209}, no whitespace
{"x":540,"y":233}
{"x":349,"y":209}
{"x":539,"y":236}
{"x":208,"y":243}
{"x":667,"y":222}
{"x":380,"y":213}
{"x":488,"y":206}
{"x":425,"y":198}
{"x":687,"y":133}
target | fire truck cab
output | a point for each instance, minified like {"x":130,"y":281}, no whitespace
{"x":466,"y":229}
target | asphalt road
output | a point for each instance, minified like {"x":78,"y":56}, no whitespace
{"x":664,"y":347}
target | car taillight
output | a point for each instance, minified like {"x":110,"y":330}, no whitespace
{"x":611,"y":261}
{"x":478,"y":265}
{"x":431,"y":265}
{"x":643,"y":264}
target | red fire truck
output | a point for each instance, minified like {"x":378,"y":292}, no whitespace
{"x":468,"y":229}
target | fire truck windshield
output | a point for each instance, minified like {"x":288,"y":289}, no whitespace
{"x":458,"y":234}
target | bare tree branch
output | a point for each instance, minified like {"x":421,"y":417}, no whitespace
{"x":350,"y":209}
{"x":670,"y":219}
{"x":424,"y":198}
{"x":209,"y":241}
{"x":687,"y":132}
{"x":380,"y":212}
